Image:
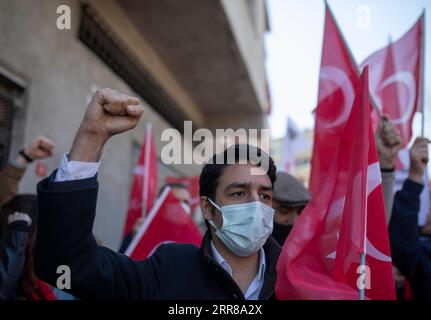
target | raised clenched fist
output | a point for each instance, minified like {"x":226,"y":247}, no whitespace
{"x":40,"y":148}
{"x":388,"y":143}
{"x":418,"y":159}
{"x":109,"y":113}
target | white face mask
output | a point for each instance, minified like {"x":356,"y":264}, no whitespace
{"x":246,"y":226}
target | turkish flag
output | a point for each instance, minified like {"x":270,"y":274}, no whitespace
{"x":145,"y":182}
{"x":192,"y":184}
{"x":168,"y":221}
{"x":396,"y":80}
{"x":337,"y":80}
{"x":344,"y":219}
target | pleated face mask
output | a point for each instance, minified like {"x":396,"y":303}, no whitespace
{"x":246,"y":226}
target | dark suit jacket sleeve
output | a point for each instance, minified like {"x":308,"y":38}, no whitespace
{"x":66,"y":216}
{"x":407,"y":252}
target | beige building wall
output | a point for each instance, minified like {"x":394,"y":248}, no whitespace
{"x":61,"y":73}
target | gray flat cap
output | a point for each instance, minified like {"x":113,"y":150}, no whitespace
{"x":290,"y":191}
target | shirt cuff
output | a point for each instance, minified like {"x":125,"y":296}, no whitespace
{"x":75,"y":170}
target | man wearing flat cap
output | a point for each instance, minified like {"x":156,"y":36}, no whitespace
{"x":289,"y":198}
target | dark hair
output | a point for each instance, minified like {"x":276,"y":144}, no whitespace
{"x":214,"y":168}
{"x":25,"y":203}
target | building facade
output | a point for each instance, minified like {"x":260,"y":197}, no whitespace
{"x":197,"y":60}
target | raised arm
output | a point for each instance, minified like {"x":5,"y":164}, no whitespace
{"x":407,"y":251}
{"x":388,"y":142}
{"x":67,"y":211}
{"x":11,"y":175}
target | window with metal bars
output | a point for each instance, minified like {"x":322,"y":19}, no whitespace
{"x":6,"y":122}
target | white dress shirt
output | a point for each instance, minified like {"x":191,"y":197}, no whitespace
{"x":253,"y":290}
{"x":75,"y":170}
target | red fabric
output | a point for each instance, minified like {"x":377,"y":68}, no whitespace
{"x":408,"y":292}
{"x":352,"y":229}
{"x":395,"y":79}
{"x":43,"y":292}
{"x":145,"y":183}
{"x":168,"y":221}
{"x":192,"y":183}
{"x":321,"y":255}
{"x":338,"y":78}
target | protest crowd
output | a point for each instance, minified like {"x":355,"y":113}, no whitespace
{"x":241,"y":230}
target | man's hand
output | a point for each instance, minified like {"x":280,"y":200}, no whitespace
{"x":40,"y":148}
{"x":388,"y":143}
{"x":109,"y":112}
{"x":418,"y":159}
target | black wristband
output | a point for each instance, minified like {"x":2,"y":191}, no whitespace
{"x":387,"y":170}
{"x":25,"y":156}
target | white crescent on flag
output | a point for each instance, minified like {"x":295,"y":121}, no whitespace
{"x":373,"y":181}
{"x":407,"y":79}
{"x":339,"y":79}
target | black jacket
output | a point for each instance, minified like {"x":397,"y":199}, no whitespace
{"x":174,"y":271}
{"x":12,"y":258}
{"x":410,"y":253}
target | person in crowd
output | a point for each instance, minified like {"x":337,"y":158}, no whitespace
{"x":237,"y":258}
{"x":18,"y":234}
{"x":13,"y":241}
{"x":410,"y":254}
{"x":11,"y":175}
{"x":289,"y":199}
{"x":388,"y":144}
{"x":179,"y":190}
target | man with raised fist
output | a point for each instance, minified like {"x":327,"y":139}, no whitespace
{"x":237,"y":258}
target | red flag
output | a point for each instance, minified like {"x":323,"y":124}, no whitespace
{"x":363,"y":227}
{"x":344,"y":218}
{"x":396,"y":82}
{"x":352,"y":229}
{"x":337,"y":80}
{"x":396,"y":79}
{"x":168,"y":221}
{"x":145,"y":182}
{"x":192,"y":184}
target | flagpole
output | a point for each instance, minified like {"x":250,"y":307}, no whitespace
{"x":358,"y":72}
{"x":147,"y":141}
{"x":422,"y":71}
{"x":363,"y":257}
{"x":362,"y":289}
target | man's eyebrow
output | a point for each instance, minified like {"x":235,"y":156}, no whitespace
{"x":265,"y":187}
{"x":247,"y":185}
{"x":238,"y":185}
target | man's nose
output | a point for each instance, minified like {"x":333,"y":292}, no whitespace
{"x":254,"y":196}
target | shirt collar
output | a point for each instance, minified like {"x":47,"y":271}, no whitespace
{"x":225,"y":265}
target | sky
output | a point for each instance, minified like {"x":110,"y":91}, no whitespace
{"x":294,"y":43}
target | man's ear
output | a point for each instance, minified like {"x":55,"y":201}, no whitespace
{"x":207,"y":208}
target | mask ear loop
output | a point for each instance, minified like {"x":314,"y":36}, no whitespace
{"x":218,"y":208}
{"x":213,"y":203}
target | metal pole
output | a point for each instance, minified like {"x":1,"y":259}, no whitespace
{"x":362,"y":289}
{"x":422,"y":71}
